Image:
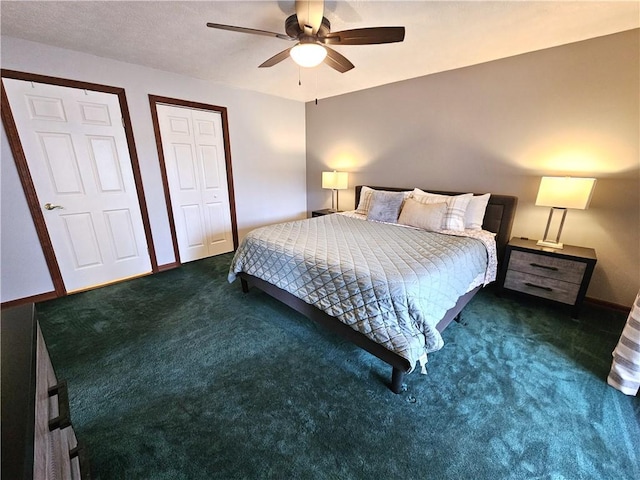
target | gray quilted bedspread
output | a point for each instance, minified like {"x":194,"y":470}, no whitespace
{"x":391,"y":283}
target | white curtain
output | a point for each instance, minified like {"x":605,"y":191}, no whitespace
{"x":625,"y":369}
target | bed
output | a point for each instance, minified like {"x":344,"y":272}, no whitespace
{"x":390,"y":289}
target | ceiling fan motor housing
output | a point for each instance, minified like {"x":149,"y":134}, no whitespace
{"x":292,"y":27}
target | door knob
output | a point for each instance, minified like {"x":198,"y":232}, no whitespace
{"x":49,"y":206}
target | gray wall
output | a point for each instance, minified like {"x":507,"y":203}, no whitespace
{"x":267,"y":136}
{"x":498,"y":127}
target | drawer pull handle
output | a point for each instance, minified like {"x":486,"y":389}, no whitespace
{"x":555,"y":269}
{"x":83,"y":458}
{"x":547,"y":289}
{"x":64,"y":415}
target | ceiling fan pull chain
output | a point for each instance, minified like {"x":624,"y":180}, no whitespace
{"x":299,"y":80}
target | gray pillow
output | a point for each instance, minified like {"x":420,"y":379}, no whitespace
{"x":385,"y":206}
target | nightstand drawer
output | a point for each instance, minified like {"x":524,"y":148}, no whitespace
{"x":545,"y":287}
{"x":548,"y":267}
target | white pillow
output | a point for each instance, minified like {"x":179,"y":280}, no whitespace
{"x":427,"y":216}
{"x":474,"y":216}
{"x":456,"y":207}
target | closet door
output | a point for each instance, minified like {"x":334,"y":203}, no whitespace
{"x":194,"y":154}
{"x":78,"y":158}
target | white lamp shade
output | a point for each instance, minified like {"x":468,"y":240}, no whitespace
{"x":308,"y":54}
{"x":565,"y":192}
{"x":335,"y":180}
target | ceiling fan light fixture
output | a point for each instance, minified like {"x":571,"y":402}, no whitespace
{"x":308,"y":54}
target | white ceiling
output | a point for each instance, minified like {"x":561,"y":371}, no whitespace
{"x":440,"y":35}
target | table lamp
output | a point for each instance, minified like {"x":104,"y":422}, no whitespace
{"x":561,"y":193}
{"x":335,"y":181}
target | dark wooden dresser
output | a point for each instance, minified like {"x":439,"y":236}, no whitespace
{"x":38,"y":441}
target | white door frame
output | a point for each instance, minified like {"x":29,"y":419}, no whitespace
{"x":153,"y":101}
{"x":27,"y":182}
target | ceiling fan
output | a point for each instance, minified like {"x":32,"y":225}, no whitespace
{"x":312,"y":32}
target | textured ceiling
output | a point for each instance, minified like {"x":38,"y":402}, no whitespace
{"x":440,"y":35}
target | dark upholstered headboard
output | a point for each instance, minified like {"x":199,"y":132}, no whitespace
{"x":498,"y":218}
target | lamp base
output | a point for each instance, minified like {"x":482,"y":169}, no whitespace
{"x":557,"y":246}
{"x":547,"y":242}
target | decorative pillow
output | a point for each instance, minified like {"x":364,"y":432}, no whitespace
{"x":456,"y":207}
{"x":474,"y":216}
{"x":427,"y":216}
{"x":385,"y":206}
{"x":365,"y":199}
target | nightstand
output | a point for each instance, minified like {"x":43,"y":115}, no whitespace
{"x":320,"y":213}
{"x":558,"y":275}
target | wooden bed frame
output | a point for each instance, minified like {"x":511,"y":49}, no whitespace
{"x":498,"y":219}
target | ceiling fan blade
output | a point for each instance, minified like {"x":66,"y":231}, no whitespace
{"x":364,"y":36}
{"x":337,"y":61}
{"x":309,"y":13}
{"x":277,"y":58}
{"x":250,"y":30}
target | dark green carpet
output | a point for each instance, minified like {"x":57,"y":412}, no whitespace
{"x":180,"y":375}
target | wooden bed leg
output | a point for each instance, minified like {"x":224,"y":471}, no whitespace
{"x":245,"y":285}
{"x":397,"y":377}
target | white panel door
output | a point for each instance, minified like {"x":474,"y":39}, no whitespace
{"x":78,"y":158}
{"x":193,"y":147}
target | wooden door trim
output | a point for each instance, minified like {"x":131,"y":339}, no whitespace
{"x":25,"y":175}
{"x":154,"y":100}
{"x":163,"y":174}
